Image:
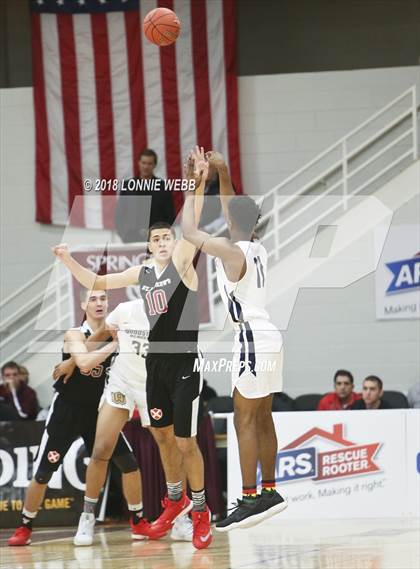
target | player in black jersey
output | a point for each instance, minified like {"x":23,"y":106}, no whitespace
{"x":73,"y":413}
{"x":169,"y":289}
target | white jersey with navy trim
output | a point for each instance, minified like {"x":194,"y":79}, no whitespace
{"x":245,"y":300}
{"x":257,"y":363}
{"x":133,"y":331}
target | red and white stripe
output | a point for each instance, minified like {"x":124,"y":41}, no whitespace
{"x":102,"y":93}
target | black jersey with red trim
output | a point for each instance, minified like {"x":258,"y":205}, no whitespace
{"x":171,"y":308}
{"x":84,"y":389}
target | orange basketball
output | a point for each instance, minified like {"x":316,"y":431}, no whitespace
{"x":161,"y":26}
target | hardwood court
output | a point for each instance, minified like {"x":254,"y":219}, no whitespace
{"x":336,"y":544}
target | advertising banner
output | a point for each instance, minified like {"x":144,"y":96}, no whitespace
{"x":64,"y":499}
{"x":117,"y":258}
{"x":397,"y":277}
{"x":338,"y":464}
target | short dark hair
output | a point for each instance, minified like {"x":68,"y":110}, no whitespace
{"x":9,"y":365}
{"x":85,"y":293}
{"x":160,"y":225}
{"x":244,"y":213}
{"x":345,"y":373}
{"x":375,"y":379}
{"x":149,"y":152}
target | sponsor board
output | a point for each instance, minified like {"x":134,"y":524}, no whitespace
{"x":64,"y":498}
{"x":397,"y":278}
{"x":337,"y":464}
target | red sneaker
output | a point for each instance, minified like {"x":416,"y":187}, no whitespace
{"x":202,"y":536}
{"x":171,"y":511}
{"x":22,"y":536}
{"x":139,"y":530}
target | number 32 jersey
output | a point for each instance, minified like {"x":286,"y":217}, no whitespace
{"x":133,"y":331}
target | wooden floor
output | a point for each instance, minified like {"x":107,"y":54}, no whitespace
{"x":354,"y":544}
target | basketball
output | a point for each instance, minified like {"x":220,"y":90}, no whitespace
{"x":161,"y":26}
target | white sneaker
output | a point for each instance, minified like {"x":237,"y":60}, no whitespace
{"x":85,"y":530}
{"x":182,"y":529}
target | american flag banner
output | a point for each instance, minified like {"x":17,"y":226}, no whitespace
{"x":103,"y":92}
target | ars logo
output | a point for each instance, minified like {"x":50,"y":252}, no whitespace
{"x":156,"y":414}
{"x":405,"y":275}
{"x":302,"y":458}
{"x":53,"y":456}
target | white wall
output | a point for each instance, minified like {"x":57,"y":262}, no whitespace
{"x":286,"y":120}
{"x":25,"y":245}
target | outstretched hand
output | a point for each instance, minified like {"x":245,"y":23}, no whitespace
{"x":215,"y":159}
{"x":61,"y":252}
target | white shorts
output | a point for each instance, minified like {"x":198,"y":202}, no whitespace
{"x":257,"y":366}
{"x":125,"y":394}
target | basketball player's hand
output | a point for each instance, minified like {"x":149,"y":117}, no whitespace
{"x":215,"y":159}
{"x":65,"y":369}
{"x":61,"y":252}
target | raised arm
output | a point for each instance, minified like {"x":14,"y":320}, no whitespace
{"x":226,"y":190}
{"x":195,"y":169}
{"x":91,"y":280}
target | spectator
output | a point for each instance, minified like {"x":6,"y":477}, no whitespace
{"x":24,"y":374}
{"x":413,"y":396}
{"x":343,"y":396}
{"x":372,"y":391}
{"x":16,"y":394}
{"x":134,"y":217}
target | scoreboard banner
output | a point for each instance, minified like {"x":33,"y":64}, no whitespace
{"x":64,"y":499}
{"x":117,"y":258}
{"x":349,"y":464}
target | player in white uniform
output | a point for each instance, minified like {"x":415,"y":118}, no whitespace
{"x":125,"y":389}
{"x":126,"y":385}
{"x":241,"y":264}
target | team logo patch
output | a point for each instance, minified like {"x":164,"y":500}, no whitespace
{"x":118,"y":398}
{"x":53,"y":456}
{"x":156,"y":414}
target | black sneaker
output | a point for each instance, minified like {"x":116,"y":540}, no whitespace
{"x":239,"y":517}
{"x":268,"y":504}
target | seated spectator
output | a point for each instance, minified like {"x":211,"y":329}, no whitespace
{"x":372,"y":391}
{"x":343,"y":396}
{"x":16,"y":395}
{"x":413,"y":396}
{"x":133,"y":217}
{"x":24,"y":374}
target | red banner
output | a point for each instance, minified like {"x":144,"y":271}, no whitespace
{"x":347,"y":461}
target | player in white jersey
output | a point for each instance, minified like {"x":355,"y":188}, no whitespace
{"x":126,"y":385}
{"x":125,"y":389}
{"x":241,"y":264}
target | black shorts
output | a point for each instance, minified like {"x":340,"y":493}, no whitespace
{"x":67,"y":422}
{"x":173,"y":388}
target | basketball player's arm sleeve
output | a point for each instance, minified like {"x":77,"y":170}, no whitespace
{"x":76,"y":346}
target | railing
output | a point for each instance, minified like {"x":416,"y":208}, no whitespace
{"x":359,"y":162}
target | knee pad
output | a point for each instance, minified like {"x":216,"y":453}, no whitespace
{"x":125,"y":462}
{"x":43,"y":476}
